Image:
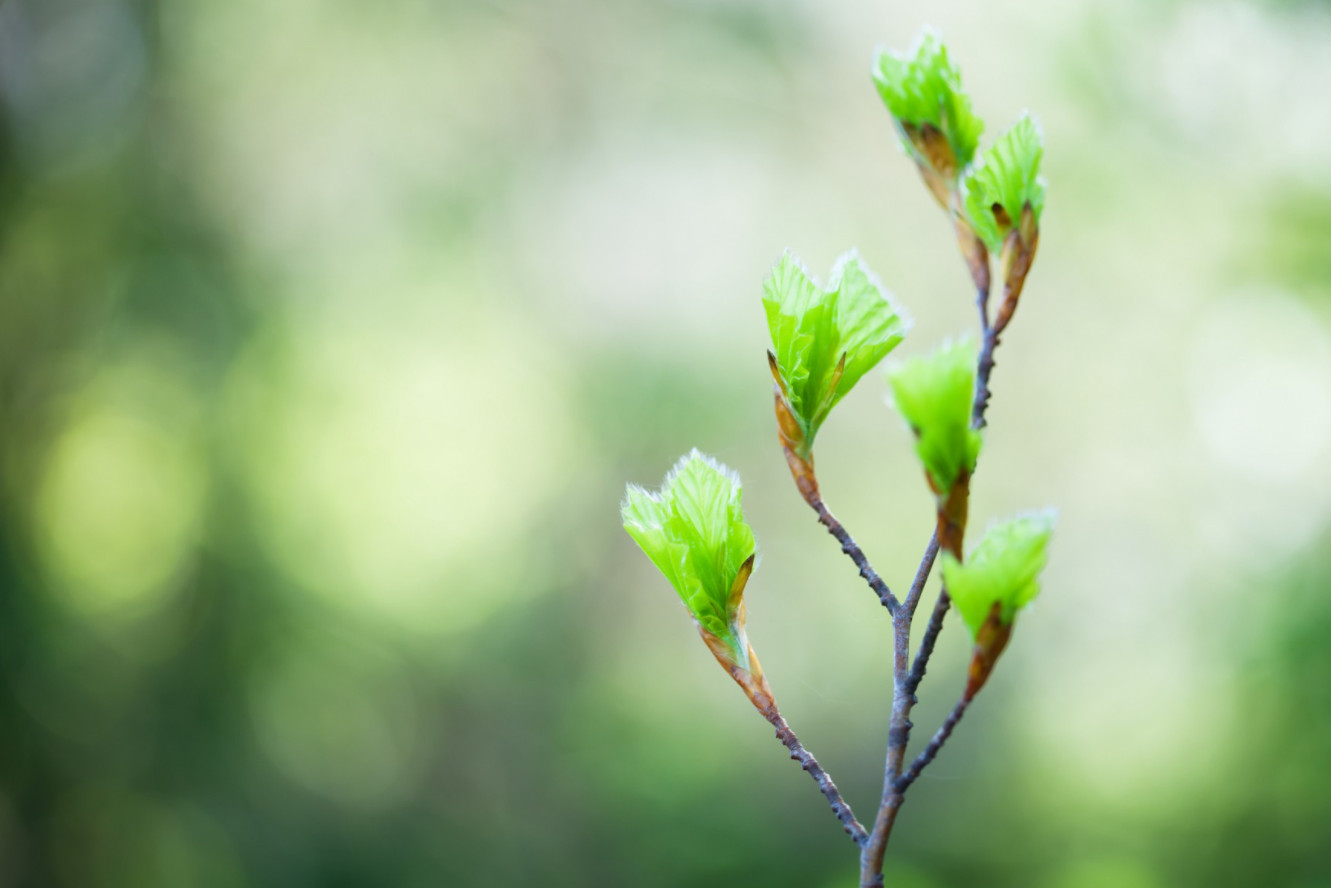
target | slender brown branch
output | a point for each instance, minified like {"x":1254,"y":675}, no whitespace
{"x":871,"y":858}
{"x":935,"y":744}
{"x":921,"y":575}
{"x":982,"y":303}
{"x":984,"y":367}
{"x":840,"y":807}
{"x":927,"y":643}
{"x":750,"y":678}
{"x":898,"y":736}
{"x":848,"y":545}
{"x":906,"y":675}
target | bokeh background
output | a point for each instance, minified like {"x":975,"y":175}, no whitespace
{"x":331,"y":331}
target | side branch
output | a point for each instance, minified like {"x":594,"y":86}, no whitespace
{"x":927,"y":643}
{"x":983,"y":369}
{"x":935,"y":744}
{"x":849,"y":546}
{"x":829,"y":789}
{"x":921,"y":575}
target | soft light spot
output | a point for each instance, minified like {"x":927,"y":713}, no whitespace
{"x":398,"y":463}
{"x":1264,"y":114}
{"x":1260,"y":373}
{"x":121,"y":498}
{"x":1107,"y":872}
{"x":1117,"y":728}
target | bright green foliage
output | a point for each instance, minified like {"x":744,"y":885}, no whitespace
{"x":693,"y":530}
{"x":814,"y":329}
{"x":1007,"y":177}
{"x":934,"y":393}
{"x":1003,"y":569}
{"x":924,"y":87}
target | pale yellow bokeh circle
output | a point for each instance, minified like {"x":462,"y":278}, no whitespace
{"x":396,"y":466}
{"x":121,"y":497}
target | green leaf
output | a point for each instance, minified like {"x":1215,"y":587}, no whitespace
{"x":1004,"y":569}
{"x":813,"y":329}
{"x":924,"y":87}
{"x":693,"y":530}
{"x":934,"y":393}
{"x":1006,"y":179}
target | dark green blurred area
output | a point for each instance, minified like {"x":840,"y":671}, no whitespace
{"x":331,"y":332}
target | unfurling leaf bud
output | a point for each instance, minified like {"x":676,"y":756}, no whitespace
{"x":1004,"y":197}
{"x":823,"y":341}
{"x":934,"y":394}
{"x":1000,"y":577}
{"x":933,"y":115}
{"x":693,"y":530}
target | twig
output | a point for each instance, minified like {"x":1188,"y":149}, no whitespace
{"x":928,"y":641}
{"x":935,"y":744}
{"x":984,"y":367}
{"x":907,"y":676}
{"x":840,"y":807}
{"x":922,"y":575}
{"x":898,"y":737}
{"x":871,"y":861}
{"x":848,"y":545}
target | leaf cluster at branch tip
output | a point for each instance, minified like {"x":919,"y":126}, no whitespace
{"x":814,"y":329}
{"x":924,"y":87}
{"x":1004,"y":569}
{"x":934,"y":394}
{"x":693,"y":530}
{"x":1004,"y":181}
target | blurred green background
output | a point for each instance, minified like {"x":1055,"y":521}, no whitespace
{"x":331,"y":331}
